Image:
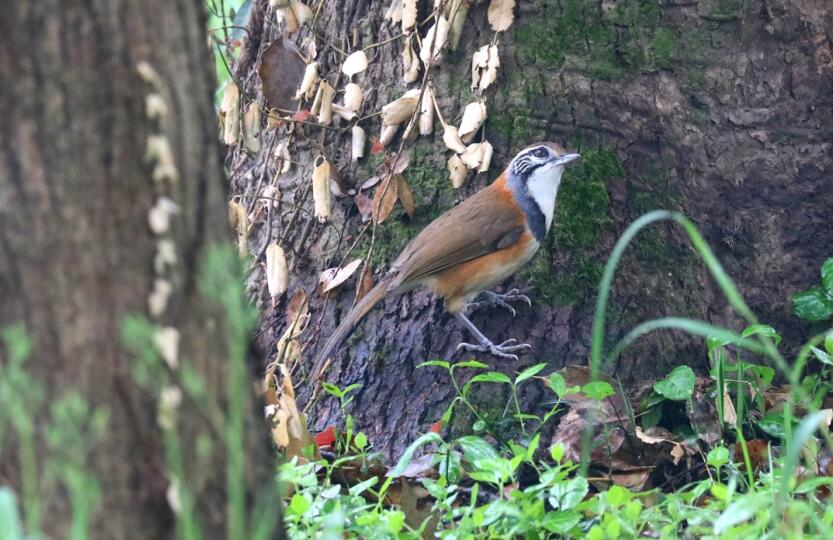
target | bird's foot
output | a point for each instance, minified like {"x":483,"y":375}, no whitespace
{"x":504,"y":350}
{"x":502,"y":300}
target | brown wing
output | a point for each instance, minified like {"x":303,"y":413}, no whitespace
{"x":485,"y":222}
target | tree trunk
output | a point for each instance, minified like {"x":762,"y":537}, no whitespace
{"x":718,"y":108}
{"x":80,"y":171}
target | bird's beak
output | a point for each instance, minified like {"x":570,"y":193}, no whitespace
{"x":567,"y":158}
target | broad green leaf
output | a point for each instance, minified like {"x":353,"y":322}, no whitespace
{"x":492,"y":376}
{"x":475,"y":448}
{"x":332,"y":389}
{"x":299,"y":504}
{"x":471,"y":364}
{"x":718,"y":456}
{"x":529,"y":372}
{"x":827,"y":275}
{"x":678,"y":385}
{"x":813,"y":305}
{"x":762,"y":330}
{"x":828,"y":343}
{"x":557,"y":452}
{"x":560,"y":522}
{"x":479,"y":425}
{"x":405,"y":460}
{"x":395,"y":521}
{"x":558,"y":384}
{"x":495,"y":470}
{"x":437,"y":363}
{"x":821,"y":356}
{"x":813,"y":484}
{"x":360,"y":440}
{"x":597,"y":390}
{"x":361,"y":487}
{"x":566,"y":495}
{"x":741,"y":510}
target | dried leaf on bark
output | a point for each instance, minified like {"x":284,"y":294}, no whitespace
{"x":353,"y":97}
{"x":356,"y":62}
{"x":281,"y":72}
{"x":457,"y":171}
{"x":251,"y":128}
{"x":400,"y":110}
{"x":385,"y":199}
{"x":409,"y":14}
{"x":451,"y":138}
{"x":230,"y":113}
{"x":473,"y":117}
{"x":434,"y":41}
{"x":365,"y":282}
{"x":501,"y":13}
{"x":277,"y":274}
{"x":331,"y":280}
{"x":484,"y":64}
{"x":290,"y":430}
{"x":406,"y":196}
{"x":358,"y":139}
{"x":321,"y":194}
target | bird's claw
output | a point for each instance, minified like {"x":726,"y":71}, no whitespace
{"x":504,"y":350}
{"x":502,"y":300}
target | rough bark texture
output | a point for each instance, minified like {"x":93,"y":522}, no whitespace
{"x":77,"y":253}
{"x":718,"y":108}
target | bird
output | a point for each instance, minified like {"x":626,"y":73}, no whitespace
{"x":474,"y":246}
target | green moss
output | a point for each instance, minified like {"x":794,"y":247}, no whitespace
{"x":512,"y":128}
{"x":606,"y":43}
{"x":582,"y":215}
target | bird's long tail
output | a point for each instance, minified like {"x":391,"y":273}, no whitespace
{"x":351,"y":321}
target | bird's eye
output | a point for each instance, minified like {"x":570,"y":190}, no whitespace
{"x":540,"y":153}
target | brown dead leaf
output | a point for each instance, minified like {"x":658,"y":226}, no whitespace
{"x":758,"y":454}
{"x":281,"y":72}
{"x":406,"y":196}
{"x":290,"y":430}
{"x":363,"y":203}
{"x":501,"y":13}
{"x":385,"y":199}
{"x":702,"y":412}
{"x":365,"y":282}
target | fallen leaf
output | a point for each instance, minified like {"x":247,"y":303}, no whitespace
{"x":326,"y":438}
{"x":484,"y":64}
{"x":400,"y":110}
{"x":434,"y":41}
{"x":251,"y":128}
{"x":281,"y":72}
{"x":410,"y":61}
{"x":341,"y":275}
{"x":385,"y":199}
{"x":451,"y":139}
{"x":302,"y":115}
{"x":473,"y":117}
{"x":409,"y":14}
{"x":386,"y":136}
{"x":353,"y":97}
{"x":230,"y":111}
{"x":488,"y":150}
{"x":501,"y":14}
{"x":426,"y":112}
{"x":376,"y":145}
{"x":307,"y":82}
{"x":459,"y":10}
{"x":325,"y":113}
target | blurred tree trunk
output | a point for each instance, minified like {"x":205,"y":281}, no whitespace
{"x":76,"y":189}
{"x":718,"y":108}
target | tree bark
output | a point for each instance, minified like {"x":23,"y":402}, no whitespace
{"x":76,"y":189}
{"x":717,"y":108}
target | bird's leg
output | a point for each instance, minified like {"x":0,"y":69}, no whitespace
{"x":504,"y":350}
{"x":502,"y":300}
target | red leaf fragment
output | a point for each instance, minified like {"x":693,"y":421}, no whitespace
{"x":326,"y":438}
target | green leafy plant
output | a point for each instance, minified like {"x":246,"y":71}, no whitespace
{"x":816,"y":304}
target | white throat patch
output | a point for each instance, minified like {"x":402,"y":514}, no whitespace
{"x":543,"y":187}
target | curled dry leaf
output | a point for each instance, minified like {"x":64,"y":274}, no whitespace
{"x":242,"y":230}
{"x":457,"y":171}
{"x":385,"y":198}
{"x":290,"y":430}
{"x":385,"y":137}
{"x":364,"y":204}
{"x":426,"y":112}
{"x":488,"y":150}
{"x":308,"y":82}
{"x":406,"y":196}
{"x":321,"y":194}
{"x":158,"y":298}
{"x":452,"y":139}
{"x":316,"y":103}
{"x":400,"y":110}
{"x":357,"y":142}
{"x":281,"y":72}
{"x":501,"y":13}
{"x":230,"y":112}
{"x":340,"y":276}
{"x":251,"y":128}
{"x":459,"y":11}
{"x":277,"y":273}
{"x":473,"y":156}
{"x":434,"y":41}
{"x":325,"y":114}
{"x":365,"y":282}
{"x":282,"y":158}
{"x":233,"y":214}
{"x":355,"y":63}
{"x":353,"y":97}
{"x":295,"y":15}
{"x":484,"y":64}
{"x":410,"y":61}
{"x":473,"y":117}
{"x":394,"y":11}
{"x":409,"y":14}
{"x":343,"y":113}
{"x":159,"y":217}
{"x":166,"y":341}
